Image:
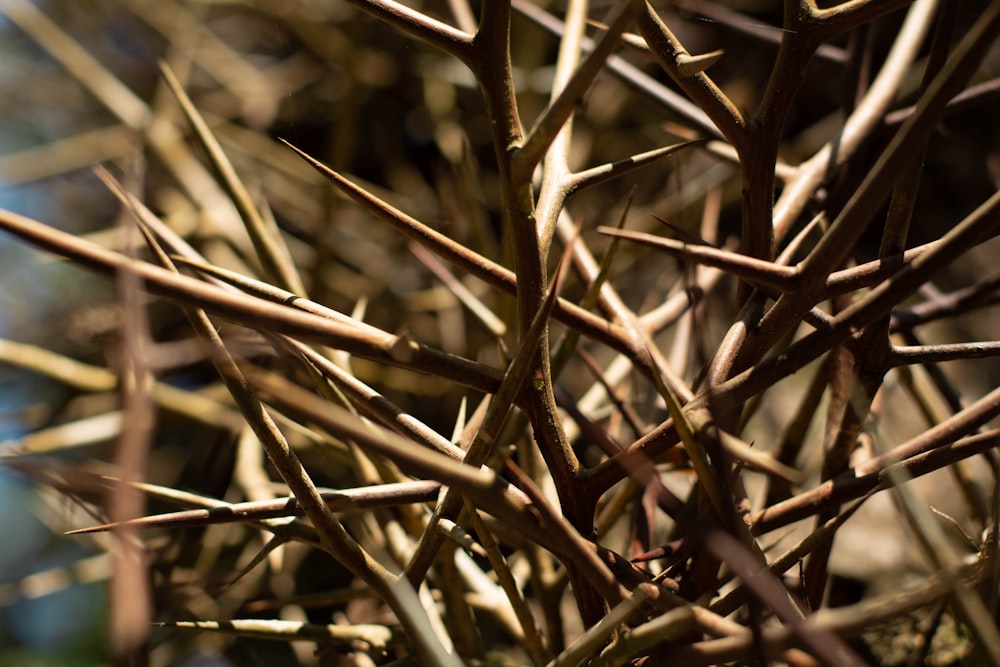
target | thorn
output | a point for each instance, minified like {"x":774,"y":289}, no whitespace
{"x":688,"y":65}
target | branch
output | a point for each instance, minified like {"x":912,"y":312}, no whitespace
{"x":606,"y":172}
{"x":257,"y":313}
{"x":629,"y":74}
{"x":418,"y":25}
{"x":553,"y":120}
{"x":493,"y":274}
{"x":755,"y":271}
{"x":488,"y":490}
{"x":929,"y":354}
{"x":271,"y":249}
{"x":867,"y":117}
{"x":672,"y":56}
{"x":340,"y":501}
{"x":836,"y":20}
{"x":872,"y":475}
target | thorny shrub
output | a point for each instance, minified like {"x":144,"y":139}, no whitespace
{"x":552,"y":333}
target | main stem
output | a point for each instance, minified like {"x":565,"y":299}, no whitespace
{"x":491,"y":63}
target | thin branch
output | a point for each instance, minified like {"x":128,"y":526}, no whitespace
{"x":490,"y":321}
{"x":569,"y":342}
{"x":671,"y":55}
{"x":333,"y":536}
{"x":929,"y":354}
{"x":973,"y":97}
{"x":374,"y":405}
{"x":762,"y":583}
{"x":850,"y":14}
{"x":873,"y":272}
{"x":253,"y":312}
{"x":340,"y":501}
{"x":271,"y":293}
{"x":374,"y":638}
{"x":611,"y":170}
{"x":487,"y":489}
{"x":853,"y":219}
{"x":553,"y":120}
{"x":984,"y":293}
{"x":754,"y":27}
{"x":755,"y":271}
{"x":971,"y":231}
{"x":880,"y":300}
{"x":844,"y":621}
{"x":865,"y":119}
{"x":490,"y":272}
{"x":271,"y":249}
{"x":947,"y":449}
{"x":629,"y":73}
{"x":440,"y":35}
{"x":532,"y":638}
{"x":483,"y":442}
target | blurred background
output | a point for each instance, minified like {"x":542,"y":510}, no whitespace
{"x":79,"y":87}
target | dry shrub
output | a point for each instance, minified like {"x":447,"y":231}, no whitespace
{"x":552,"y":319}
